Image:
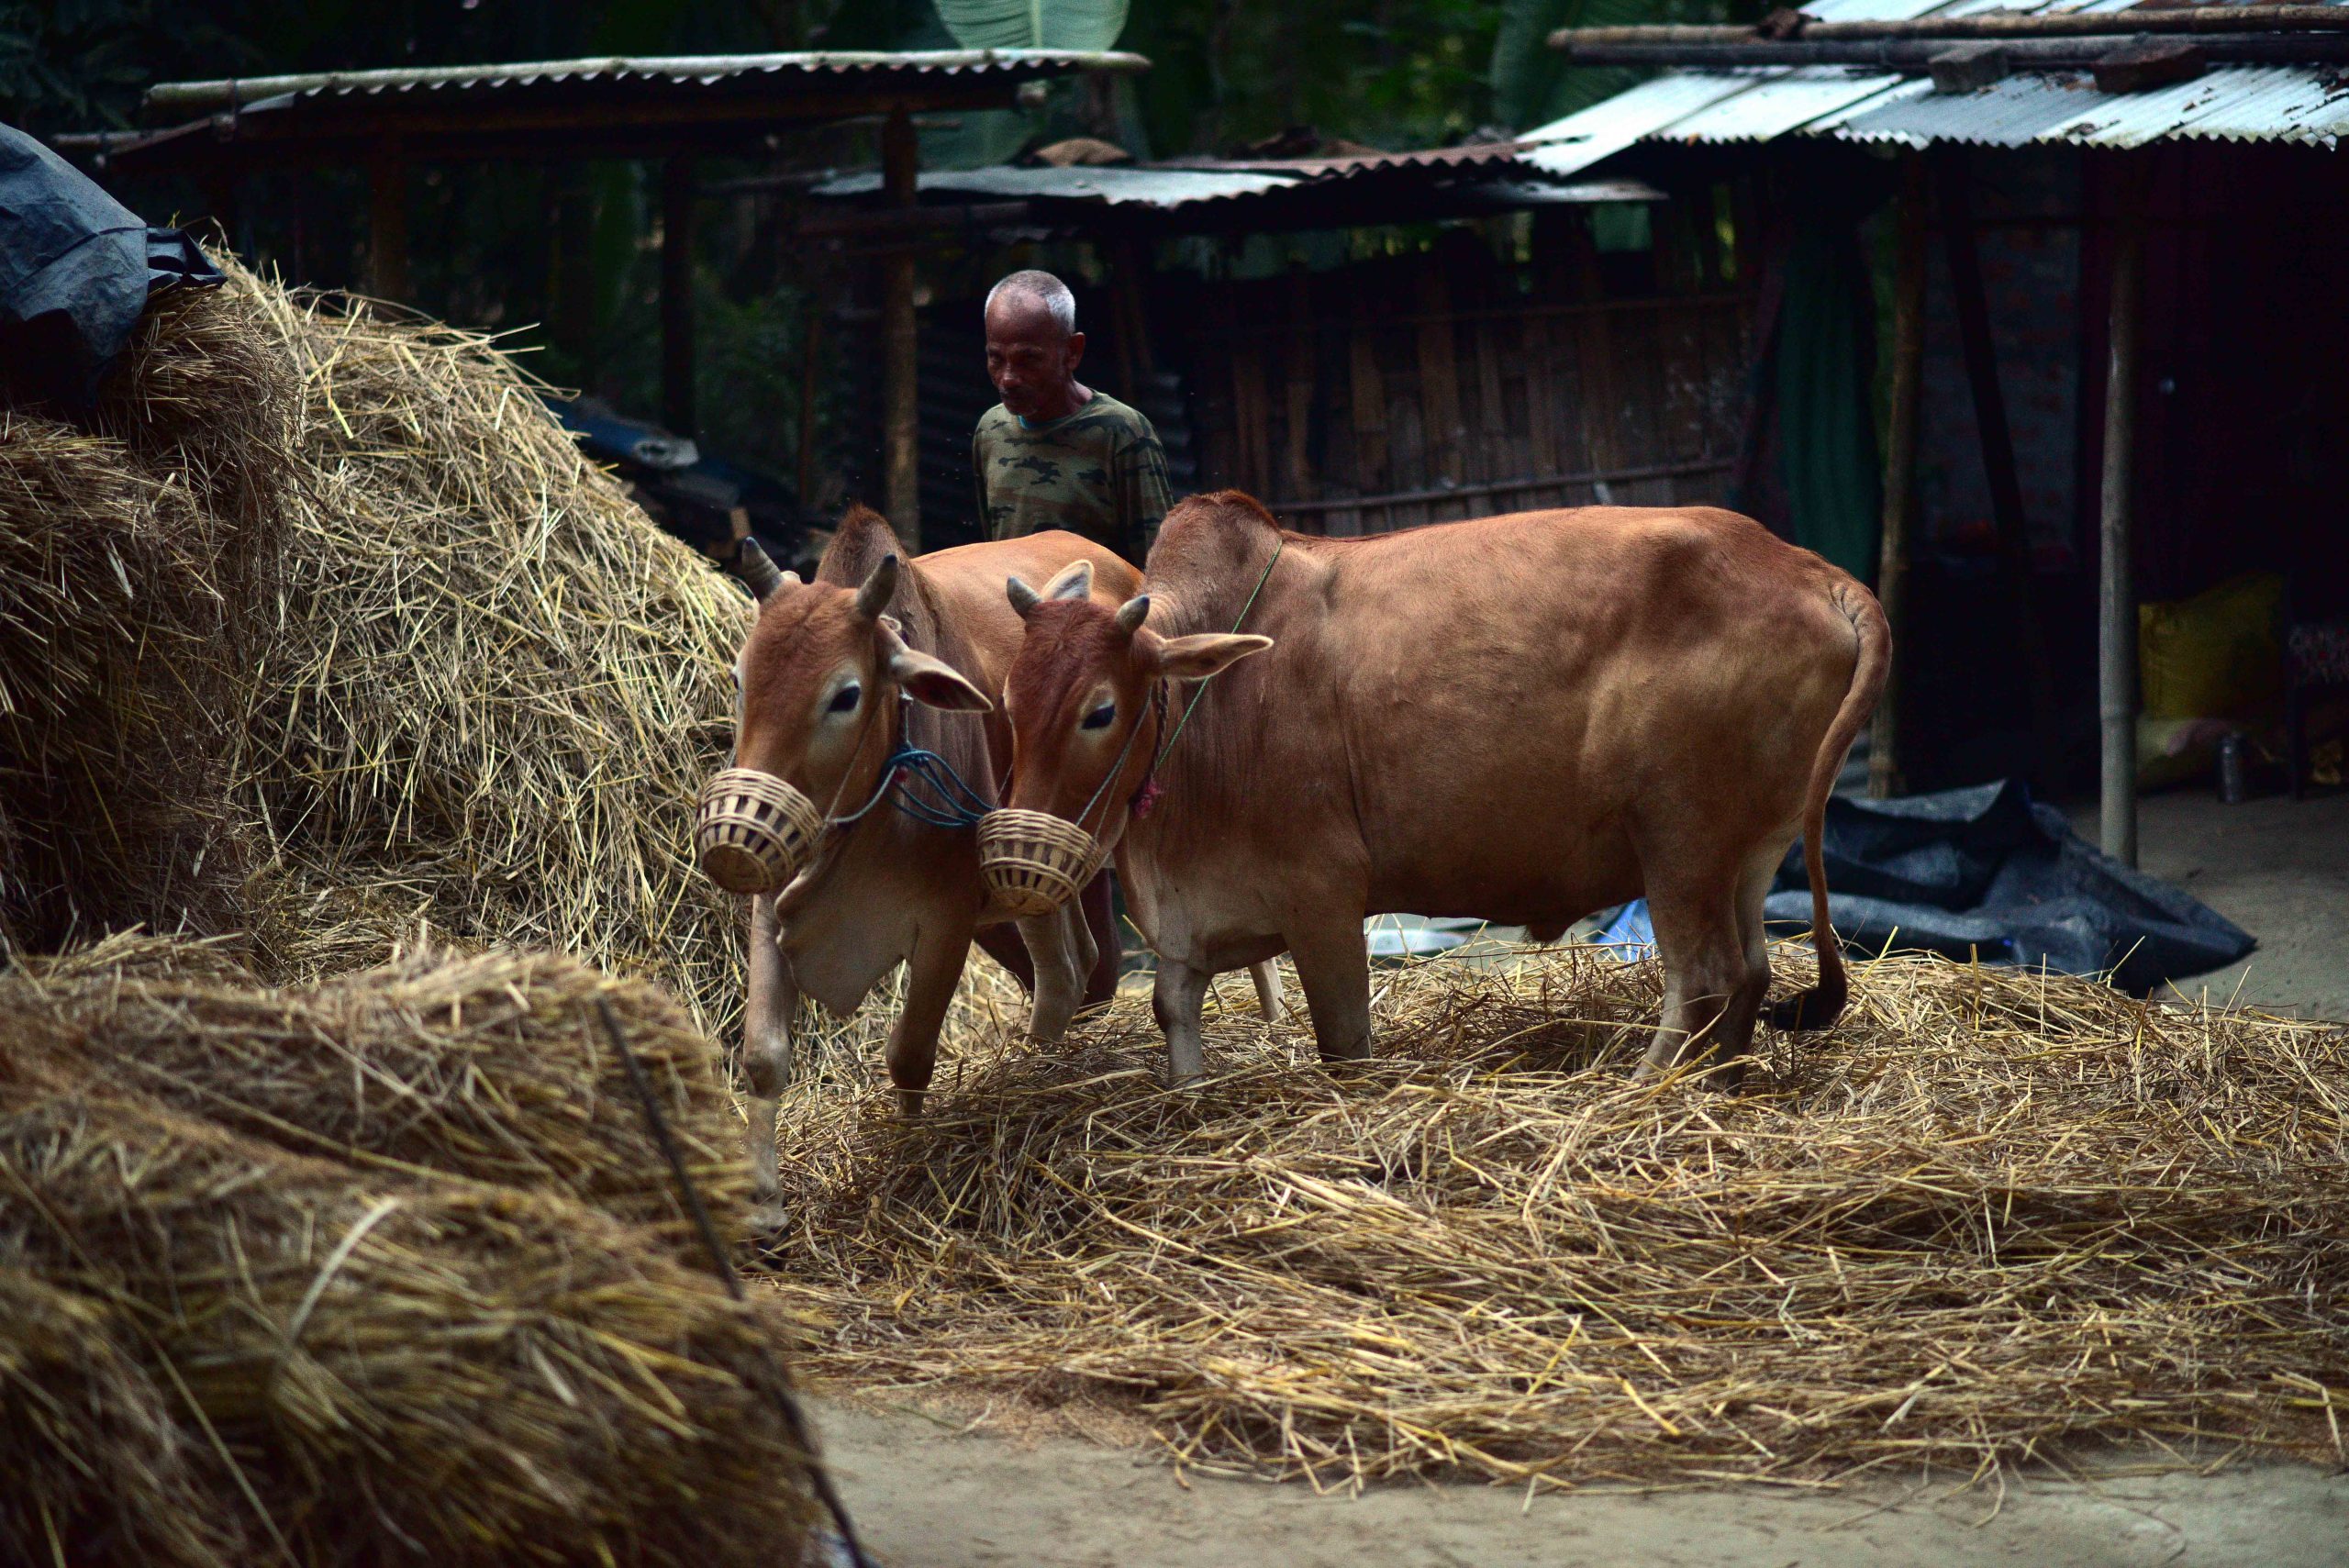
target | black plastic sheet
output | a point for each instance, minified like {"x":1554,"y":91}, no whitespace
{"x":1986,"y":872}
{"x":76,"y":268}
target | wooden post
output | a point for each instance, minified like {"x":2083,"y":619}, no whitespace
{"x":1901,"y":467}
{"x":677,"y":411}
{"x":387,"y":224}
{"x":901,"y":391}
{"x":2116,"y":639}
{"x":1957,"y":192}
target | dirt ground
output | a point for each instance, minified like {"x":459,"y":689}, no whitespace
{"x":928,"y":1492}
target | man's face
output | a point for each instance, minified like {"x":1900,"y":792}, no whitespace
{"x":1031,"y":361}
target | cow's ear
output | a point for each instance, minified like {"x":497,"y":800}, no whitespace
{"x":935,"y":684}
{"x":1074,"y":581}
{"x":1208,"y":654}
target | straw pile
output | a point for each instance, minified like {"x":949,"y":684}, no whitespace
{"x":363,"y":1371}
{"x":135,"y":552}
{"x":1992,"y":1216}
{"x":322,"y":630}
{"x":495,"y":685}
{"x":493,"y":1067}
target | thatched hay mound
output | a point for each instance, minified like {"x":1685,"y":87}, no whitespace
{"x":494,"y":1067}
{"x":137,"y":551}
{"x":336,"y":585}
{"x":495,"y":685}
{"x":380,"y":1369}
{"x":1988,"y":1214}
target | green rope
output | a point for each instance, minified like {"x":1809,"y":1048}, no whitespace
{"x":1202,"y":690}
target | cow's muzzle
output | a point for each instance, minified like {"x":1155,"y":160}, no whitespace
{"x":755,"y":831}
{"x":1033,"y":861}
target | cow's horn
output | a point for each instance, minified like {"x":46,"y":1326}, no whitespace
{"x":873,"y":597}
{"x":1132,"y":613}
{"x":1023,"y":599}
{"x":756,"y":569}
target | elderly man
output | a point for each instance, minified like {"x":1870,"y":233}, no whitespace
{"x":1055,"y":453}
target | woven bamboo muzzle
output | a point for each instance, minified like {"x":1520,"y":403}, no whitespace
{"x":1033,"y":861}
{"x":755,"y":831}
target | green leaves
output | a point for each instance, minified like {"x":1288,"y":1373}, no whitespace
{"x":1034,"y":24}
{"x":1532,"y":83}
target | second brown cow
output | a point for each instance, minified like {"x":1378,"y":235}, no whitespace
{"x":1521,"y":718}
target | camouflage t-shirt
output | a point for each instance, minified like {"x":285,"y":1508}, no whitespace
{"x":1099,"y":471}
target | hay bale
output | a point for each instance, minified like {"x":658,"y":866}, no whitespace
{"x":1990,"y":1214}
{"x":403,"y":1370}
{"x":494,"y":1067}
{"x":94,"y":1459}
{"x":495,"y":685}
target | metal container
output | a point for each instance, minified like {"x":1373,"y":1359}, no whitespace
{"x":2234,"y":782}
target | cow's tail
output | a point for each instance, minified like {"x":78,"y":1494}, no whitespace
{"x":1818,"y":1006}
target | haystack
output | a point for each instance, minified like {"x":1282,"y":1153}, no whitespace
{"x":136,"y":556}
{"x":374,"y":1369}
{"x":494,"y":1067}
{"x":494,"y":686}
{"x":1992,"y":1216}
{"x":322,"y":630}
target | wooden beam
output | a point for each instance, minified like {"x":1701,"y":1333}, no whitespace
{"x":2116,"y":641}
{"x":1992,"y":25}
{"x":387,"y":224}
{"x":901,"y":381}
{"x":1901,"y":469}
{"x":677,"y":410}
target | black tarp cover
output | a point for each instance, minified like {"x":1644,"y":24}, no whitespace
{"x":1988,"y":873}
{"x":76,"y":267}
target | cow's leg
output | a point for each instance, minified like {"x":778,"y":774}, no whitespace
{"x":1334,"y":965}
{"x":1267,"y":976}
{"x":1003,"y":944}
{"x":1060,"y":974}
{"x":1735,"y":1029}
{"x":1697,"y":936}
{"x":1099,"y":917}
{"x":931,"y":974}
{"x":766,"y":1055}
{"x":1177,"y":996}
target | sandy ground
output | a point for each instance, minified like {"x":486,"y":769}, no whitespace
{"x":927,"y":1492}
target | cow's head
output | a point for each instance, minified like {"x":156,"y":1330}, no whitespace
{"x":1079,"y":698}
{"x":817,"y":688}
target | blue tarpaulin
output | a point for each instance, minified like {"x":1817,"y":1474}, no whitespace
{"x":1988,"y":873}
{"x":76,"y":267}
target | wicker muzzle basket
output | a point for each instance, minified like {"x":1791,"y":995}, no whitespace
{"x":755,"y":831}
{"x":1034,"y":861}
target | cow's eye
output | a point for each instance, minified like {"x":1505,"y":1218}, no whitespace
{"x":1100,"y":717}
{"x":845,"y":699}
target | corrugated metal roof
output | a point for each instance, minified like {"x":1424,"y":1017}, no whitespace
{"x":1779,"y":104}
{"x":1498,"y":170}
{"x":1572,"y":144}
{"x":2285,"y":103}
{"x":1116,"y":186}
{"x":702,"y":70}
{"x":2008,"y":114}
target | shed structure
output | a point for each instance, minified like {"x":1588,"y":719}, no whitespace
{"x":2165,"y":176}
{"x":671,"y":110}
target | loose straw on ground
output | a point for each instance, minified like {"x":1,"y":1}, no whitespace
{"x":1990,"y":1217}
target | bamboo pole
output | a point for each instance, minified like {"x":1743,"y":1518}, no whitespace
{"x":1900,"y":470}
{"x":2116,"y":596}
{"x":901,"y":438}
{"x":1993,"y":25}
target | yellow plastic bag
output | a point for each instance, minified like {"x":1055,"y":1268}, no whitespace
{"x":2215,"y":655}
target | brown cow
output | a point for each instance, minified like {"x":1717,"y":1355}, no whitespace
{"x":819,"y":679}
{"x":1520,"y":718}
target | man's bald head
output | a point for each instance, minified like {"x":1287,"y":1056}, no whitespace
{"x":1034,"y":347}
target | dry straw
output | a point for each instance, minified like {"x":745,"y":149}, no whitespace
{"x":491,"y":1067}
{"x":1991,"y":1216}
{"x":378,"y":1369}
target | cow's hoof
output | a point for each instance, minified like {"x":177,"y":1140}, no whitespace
{"x":909,"y":1102}
{"x":769,"y":1223}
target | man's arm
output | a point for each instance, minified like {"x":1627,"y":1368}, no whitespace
{"x":1143,"y":494}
